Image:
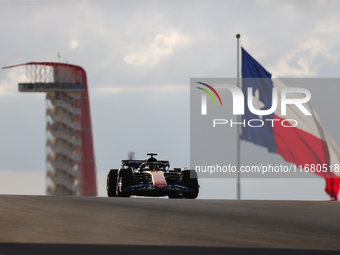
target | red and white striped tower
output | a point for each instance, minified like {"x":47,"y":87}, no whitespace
{"x":70,"y":158}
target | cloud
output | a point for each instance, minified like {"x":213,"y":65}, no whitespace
{"x":140,"y":89}
{"x":161,"y":47}
{"x":311,"y":53}
{"x":321,"y":2}
{"x":73,"y":44}
{"x":9,"y":85}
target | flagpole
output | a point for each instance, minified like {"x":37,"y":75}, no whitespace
{"x":238,"y":128}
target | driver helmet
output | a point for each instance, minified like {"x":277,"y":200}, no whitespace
{"x":151,"y":160}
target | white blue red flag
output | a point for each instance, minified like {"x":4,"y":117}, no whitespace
{"x":303,"y":144}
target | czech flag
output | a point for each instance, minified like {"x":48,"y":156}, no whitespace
{"x":301,"y":144}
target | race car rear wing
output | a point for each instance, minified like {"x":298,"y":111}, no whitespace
{"x":137,"y":163}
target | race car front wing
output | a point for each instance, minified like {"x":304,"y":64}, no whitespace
{"x":150,"y":187}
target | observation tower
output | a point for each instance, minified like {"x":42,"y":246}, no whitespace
{"x":70,"y":162}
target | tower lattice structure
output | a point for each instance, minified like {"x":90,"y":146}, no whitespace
{"x":70,"y":158}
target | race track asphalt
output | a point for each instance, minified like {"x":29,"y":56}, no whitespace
{"x":99,"y":225}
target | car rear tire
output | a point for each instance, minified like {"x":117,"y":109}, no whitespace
{"x":111,"y":182}
{"x":189,"y":179}
{"x":125,"y":178}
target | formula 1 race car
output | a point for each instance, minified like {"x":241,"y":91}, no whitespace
{"x":151,"y":177}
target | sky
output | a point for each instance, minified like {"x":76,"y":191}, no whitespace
{"x":139,"y":57}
